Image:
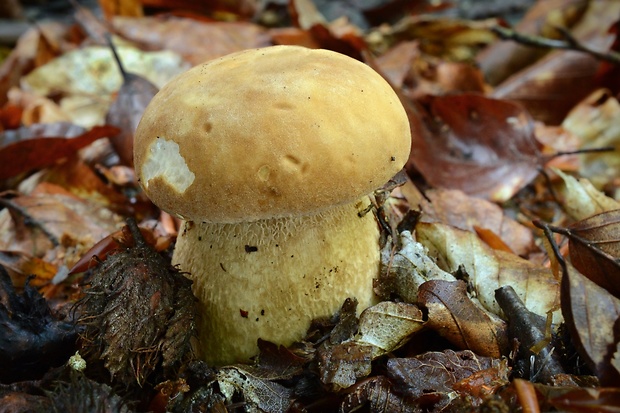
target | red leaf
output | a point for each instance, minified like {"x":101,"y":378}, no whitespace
{"x":36,"y":153}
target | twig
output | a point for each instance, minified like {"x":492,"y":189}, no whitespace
{"x":567,"y":43}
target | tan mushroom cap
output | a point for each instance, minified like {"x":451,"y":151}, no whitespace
{"x":272,"y":132}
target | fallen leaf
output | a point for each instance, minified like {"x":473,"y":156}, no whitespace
{"x":581,"y":199}
{"x":482,"y":146}
{"x":376,"y":393}
{"x":591,"y":314}
{"x":195,"y":41}
{"x":387,"y":326}
{"x":430,"y":378}
{"x":35,"y":153}
{"x":550,"y":88}
{"x":455,"y":208}
{"x":594,"y":246}
{"x":455,"y":317}
{"x":594,"y":121}
{"x":405,"y":268}
{"x":126,"y":111}
{"x":588,"y":400}
{"x":489,"y":269}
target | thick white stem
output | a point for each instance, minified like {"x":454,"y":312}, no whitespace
{"x":268,"y":279}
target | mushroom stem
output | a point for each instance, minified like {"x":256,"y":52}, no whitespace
{"x":269,"y":278}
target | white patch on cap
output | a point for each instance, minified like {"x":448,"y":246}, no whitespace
{"x":165,"y":161}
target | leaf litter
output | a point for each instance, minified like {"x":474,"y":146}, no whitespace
{"x":460,"y":227}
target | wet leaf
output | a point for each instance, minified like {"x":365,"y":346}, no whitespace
{"x":36,"y":153}
{"x":482,"y":146}
{"x":591,"y":314}
{"x":594,"y":246}
{"x":594,"y":122}
{"x":458,"y":319}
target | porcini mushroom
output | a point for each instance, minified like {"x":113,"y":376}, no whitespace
{"x":268,"y":156}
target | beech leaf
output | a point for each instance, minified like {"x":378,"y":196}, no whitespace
{"x":482,"y":146}
{"x":455,"y":317}
{"x":591,"y":313}
{"x":594,"y":246}
{"x":36,"y":153}
{"x":490,"y":269}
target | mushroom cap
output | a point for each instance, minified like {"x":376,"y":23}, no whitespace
{"x":268,"y":133}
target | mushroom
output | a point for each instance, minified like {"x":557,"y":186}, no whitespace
{"x":268,"y":156}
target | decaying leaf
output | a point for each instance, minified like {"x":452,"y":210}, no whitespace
{"x":388,"y":325}
{"x":404,"y":270}
{"x":71,"y":224}
{"x":595,"y":122}
{"x":138,"y":313}
{"x":454,"y":207}
{"x":582,"y":200}
{"x":482,"y":146}
{"x":186,"y":37}
{"x":88,"y":77}
{"x":588,"y":400}
{"x":490,"y":269}
{"x":35,"y":153}
{"x":430,"y":378}
{"x":594,"y":246}
{"x":378,"y":395}
{"x":268,"y":396}
{"x":591,"y":314}
{"x":458,"y":319}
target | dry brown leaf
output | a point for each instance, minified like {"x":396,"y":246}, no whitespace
{"x":594,"y":246}
{"x":454,"y":207}
{"x":588,"y":400}
{"x":196,"y":41}
{"x":29,"y":154}
{"x":550,"y":88}
{"x":430,"y":378}
{"x":488,"y":269}
{"x":453,"y":315}
{"x":482,"y":146}
{"x":502,"y":59}
{"x":87,"y":78}
{"x":591,"y":314}
{"x":594,"y":121}
{"x":387,"y":326}
{"x":581,"y":199}
{"x":403,"y":270}
{"x":61,"y":227}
